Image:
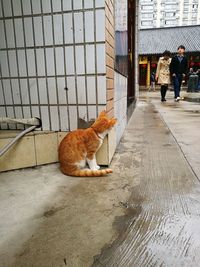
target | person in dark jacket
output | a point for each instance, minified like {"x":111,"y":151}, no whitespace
{"x":178,"y":70}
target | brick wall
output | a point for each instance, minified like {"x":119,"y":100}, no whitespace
{"x":110,"y":54}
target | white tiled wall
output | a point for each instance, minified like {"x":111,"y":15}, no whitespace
{"x":120,"y":104}
{"x":52,"y":60}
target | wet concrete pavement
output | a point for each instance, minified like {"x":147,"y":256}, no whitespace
{"x":147,"y":213}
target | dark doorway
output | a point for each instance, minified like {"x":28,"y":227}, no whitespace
{"x":131,"y":50}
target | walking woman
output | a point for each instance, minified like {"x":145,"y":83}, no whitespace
{"x":163,"y":73}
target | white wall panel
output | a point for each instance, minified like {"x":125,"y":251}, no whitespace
{"x":80,"y":61}
{"x":7,"y":92}
{"x":16,"y":91}
{"x":90,"y":56}
{"x":81,"y":90}
{"x":33,"y":91}
{"x":19,"y":32}
{"x":22,"y":63}
{"x":43,"y":63}
{"x":78,"y":27}
{"x":28,"y":31}
{"x":91,"y":89}
{"x":100,"y":25}
{"x":26,"y":4}
{"x":68,"y":28}
{"x":7,"y":8}
{"x":89,"y":26}
{"x":25,"y":91}
{"x":13,"y":63}
{"x":10,"y":33}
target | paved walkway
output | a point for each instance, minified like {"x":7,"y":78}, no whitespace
{"x":147,"y":213}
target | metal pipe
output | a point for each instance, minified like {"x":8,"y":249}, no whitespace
{"x":31,"y":121}
{"x":6,"y":147}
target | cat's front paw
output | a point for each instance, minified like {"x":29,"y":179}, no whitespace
{"x":97,"y":167}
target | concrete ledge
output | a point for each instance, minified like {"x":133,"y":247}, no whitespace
{"x":41,"y":147}
{"x":192,"y":97}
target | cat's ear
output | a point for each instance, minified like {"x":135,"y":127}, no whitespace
{"x":102,"y":114}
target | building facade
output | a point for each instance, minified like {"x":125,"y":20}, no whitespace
{"x":167,"y":13}
{"x":153,"y":42}
{"x":58,"y":63}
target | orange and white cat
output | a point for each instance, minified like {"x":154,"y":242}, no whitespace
{"x":79,"y":147}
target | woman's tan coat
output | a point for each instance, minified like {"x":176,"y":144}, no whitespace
{"x":162,"y":72}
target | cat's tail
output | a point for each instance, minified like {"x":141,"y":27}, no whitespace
{"x":87,"y":172}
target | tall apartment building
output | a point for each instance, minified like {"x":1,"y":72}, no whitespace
{"x":168,"y":13}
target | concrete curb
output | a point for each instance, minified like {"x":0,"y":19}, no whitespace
{"x":192,"y":97}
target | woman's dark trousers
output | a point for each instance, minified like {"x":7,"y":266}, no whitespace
{"x":163,"y":91}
